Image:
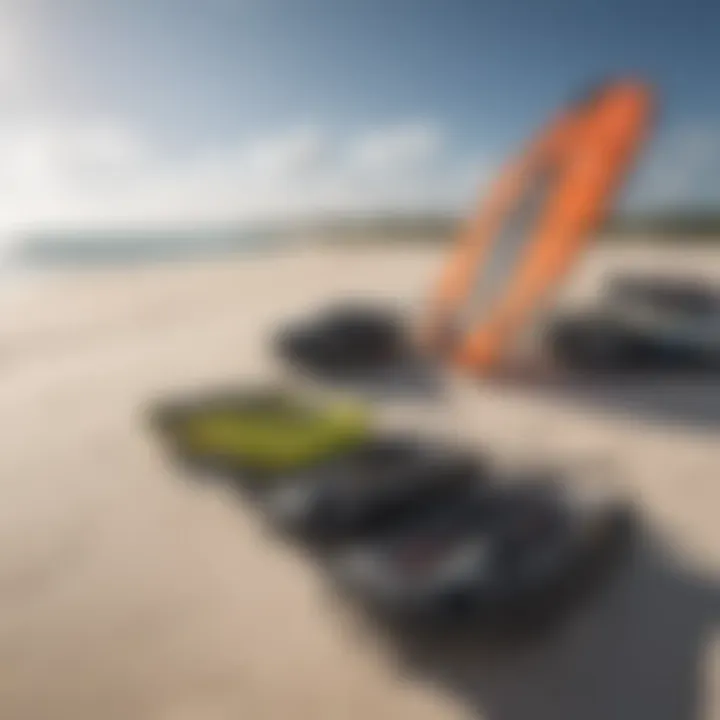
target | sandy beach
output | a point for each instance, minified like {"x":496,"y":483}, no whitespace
{"x":129,"y":591}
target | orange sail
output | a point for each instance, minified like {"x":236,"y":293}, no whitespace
{"x":535,"y":222}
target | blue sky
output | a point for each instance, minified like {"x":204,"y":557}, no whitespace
{"x":213,"y":109}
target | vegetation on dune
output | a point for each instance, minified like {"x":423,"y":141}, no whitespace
{"x":667,"y":226}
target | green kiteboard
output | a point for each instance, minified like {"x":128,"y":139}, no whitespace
{"x":264,"y":432}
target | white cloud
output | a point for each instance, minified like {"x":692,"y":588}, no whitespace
{"x":103,"y":173}
{"x":400,"y":147}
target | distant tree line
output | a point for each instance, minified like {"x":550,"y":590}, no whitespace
{"x":438,"y":227}
{"x":669,"y":224}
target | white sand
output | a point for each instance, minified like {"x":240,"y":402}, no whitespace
{"x":127,"y":591}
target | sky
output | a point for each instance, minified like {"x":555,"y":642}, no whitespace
{"x":133,"y":112}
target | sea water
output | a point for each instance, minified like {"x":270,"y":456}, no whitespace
{"x":87,"y":250}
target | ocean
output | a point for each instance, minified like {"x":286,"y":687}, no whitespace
{"x":91,"y":250}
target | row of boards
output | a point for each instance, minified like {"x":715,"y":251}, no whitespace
{"x":533,"y":225}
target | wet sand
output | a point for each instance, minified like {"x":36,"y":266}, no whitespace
{"x":130,"y":591}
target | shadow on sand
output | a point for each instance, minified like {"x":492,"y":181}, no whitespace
{"x":690,"y":399}
{"x":635,"y":646}
{"x":409,"y":378}
{"x":635,"y":651}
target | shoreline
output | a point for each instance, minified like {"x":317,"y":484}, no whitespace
{"x":135,"y":251}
